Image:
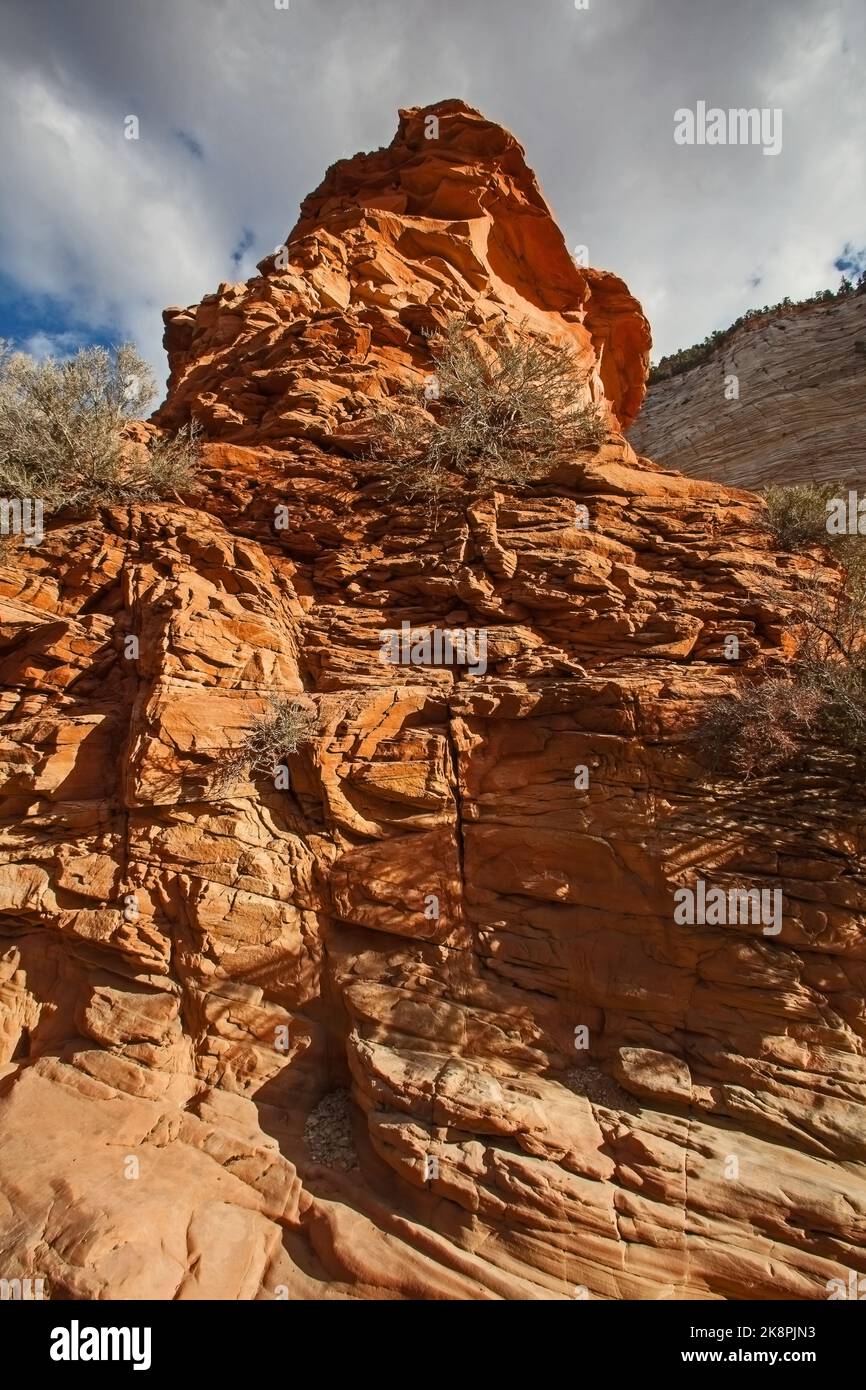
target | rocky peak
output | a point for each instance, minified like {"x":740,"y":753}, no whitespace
{"x":448,"y":220}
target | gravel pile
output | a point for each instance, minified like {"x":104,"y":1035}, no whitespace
{"x":598,"y":1087}
{"x":328,"y":1132}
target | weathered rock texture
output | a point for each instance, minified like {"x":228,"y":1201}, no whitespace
{"x":802,"y":387}
{"x":159,"y":1073}
{"x":447,"y":221}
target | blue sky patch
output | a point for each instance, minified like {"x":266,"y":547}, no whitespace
{"x":851,"y":262}
{"x":41,"y":323}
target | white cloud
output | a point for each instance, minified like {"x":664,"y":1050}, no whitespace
{"x":119,"y":228}
{"x":60,"y":346}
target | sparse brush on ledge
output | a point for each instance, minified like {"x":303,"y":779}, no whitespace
{"x":820,"y":701}
{"x":61,"y":431}
{"x":275,"y":735}
{"x":493,"y":411}
{"x":797,"y":513}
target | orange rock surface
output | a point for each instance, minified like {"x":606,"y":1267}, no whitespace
{"x":387,"y":247}
{"x":437,"y":905}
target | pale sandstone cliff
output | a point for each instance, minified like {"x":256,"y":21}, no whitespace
{"x":608,"y":1170}
{"x":801,"y":376}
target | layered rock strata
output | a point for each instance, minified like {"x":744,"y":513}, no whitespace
{"x":780,"y":402}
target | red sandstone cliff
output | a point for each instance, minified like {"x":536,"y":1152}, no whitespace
{"x":708,"y":1143}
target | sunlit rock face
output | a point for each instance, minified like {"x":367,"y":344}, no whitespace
{"x":448,"y":220}
{"x":781,"y":401}
{"x":425,"y":1024}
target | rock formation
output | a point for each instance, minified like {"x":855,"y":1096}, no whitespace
{"x":447,"y":221}
{"x":800,"y":384}
{"x":423,"y":1025}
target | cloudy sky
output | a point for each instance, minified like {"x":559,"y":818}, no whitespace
{"x":241,"y":106}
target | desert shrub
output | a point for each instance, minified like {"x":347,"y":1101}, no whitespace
{"x":820,"y":701}
{"x":832,"y":659}
{"x":797,"y":513}
{"x":502,"y":411}
{"x":760,"y":728}
{"x":61,"y":425}
{"x":274,"y":735}
{"x":166,"y":468}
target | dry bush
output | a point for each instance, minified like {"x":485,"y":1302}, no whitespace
{"x":281,"y":731}
{"x":504,"y":412}
{"x":820,"y":702}
{"x":761,"y":728}
{"x":797,"y":513}
{"x":167,"y":468}
{"x":832,"y":659}
{"x":61,"y":426}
